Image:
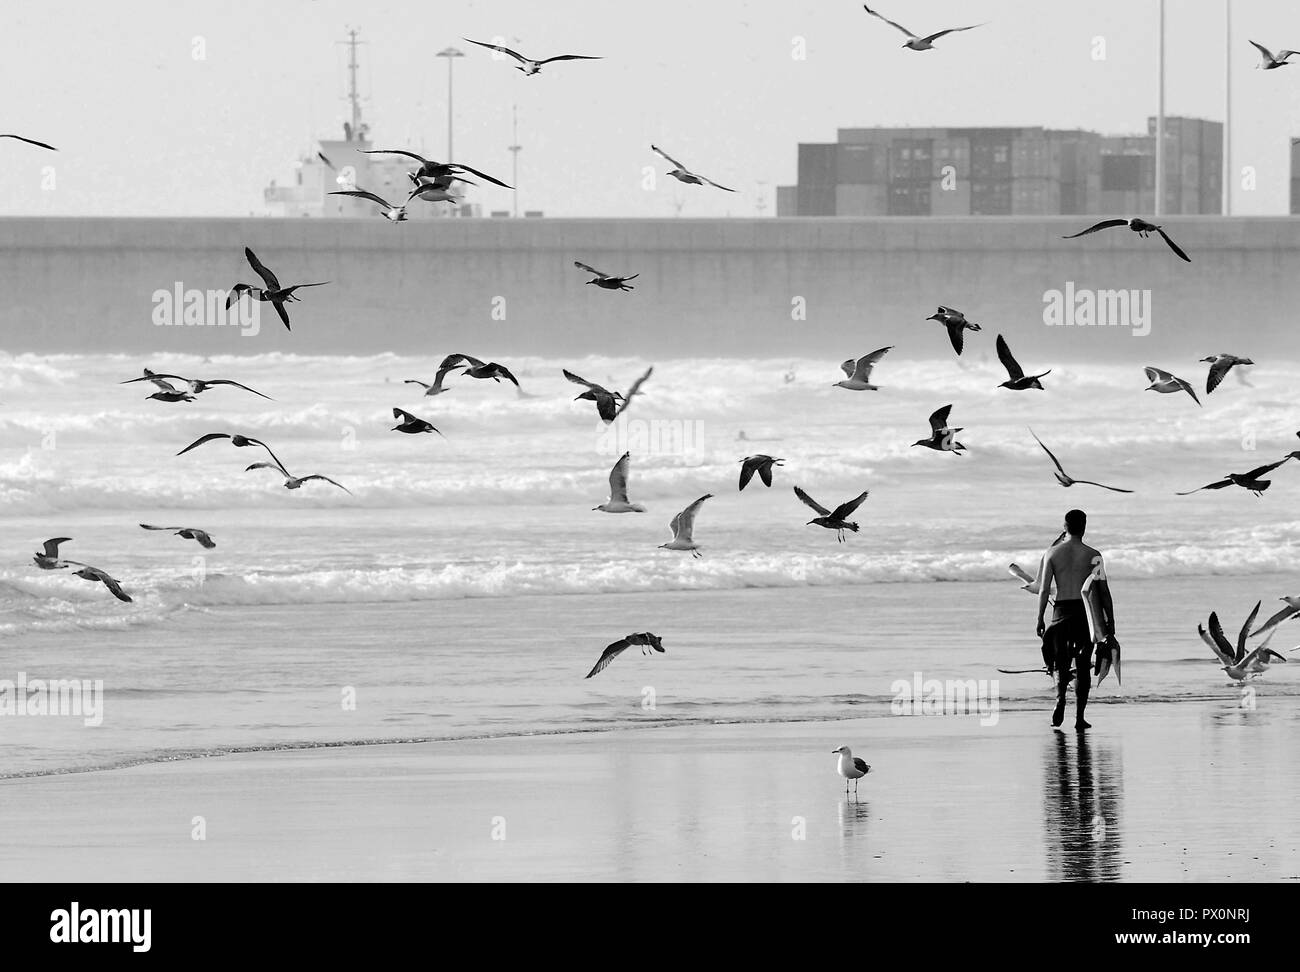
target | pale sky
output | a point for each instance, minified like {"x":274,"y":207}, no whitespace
{"x":145,"y":129}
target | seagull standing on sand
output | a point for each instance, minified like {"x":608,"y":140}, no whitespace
{"x":859,"y":372}
{"x":837,"y":520}
{"x":1220,"y":365}
{"x":942,"y":438}
{"x":410,"y":424}
{"x":1270,"y":62}
{"x":1168,"y":384}
{"x":395,"y":214}
{"x":644,"y":639}
{"x":604,"y":281}
{"x":850,"y":767}
{"x":683,"y":527}
{"x":919,"y":43}
{"x":1064,"y":478}
{"x":1239,"y":664}
{"x":1017,"y":380}
{"x":531,"y":67}
{"x":1247,"y":480}
{"x":618,"y":502}
{"x":188,"y":533}
{"x":277,"y":296}
{"x":758,"y":464}
{"x":956,"y":323}
{"x":683,"y":174}
{"x":1139,"y":226}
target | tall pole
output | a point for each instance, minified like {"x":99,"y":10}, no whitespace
{"x":1226,"y":208}
{"x":352,"y":81}
{"x":1159,"y":206}
{"x":514,"y":150}
{"x":450,"y":53}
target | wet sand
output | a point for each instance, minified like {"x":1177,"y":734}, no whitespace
{"x":1192,"y":791}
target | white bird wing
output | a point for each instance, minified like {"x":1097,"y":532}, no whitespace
{"x":1286,"y":614}
{"x":888,"y":21}
{"x":1031,"y":582}
{"x":662,"y":154}
{"x":1268,"y":55}
{"x":1155,"y":374}
{"x":683,"y":525}
{"x":582,"y":266}
{"x":863,"y":368}
{"x":618,"y":479}
{"x":1219,"y":644}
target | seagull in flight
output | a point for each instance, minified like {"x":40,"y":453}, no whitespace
{"x":1065,"y":479}
{"x":1268,"y":63}
{"x":432,"y":170}
{"x":239,"y":441}
{"x":1288,"y":613}
{"x":188,"y":533}
{"x":95,"y":574}
{"x":1031,"y":583}
{"x":449,"y":364}
{"x":683,"y":527}
{"x":1220,"y":365}
{"x":197,"y":386}
{"x":859,"y":372}
{"x":606,"y":401}
{"x":645,"y":640}
{"x":1168,"y":384}
{"x":956,"y":323}
{"x":850,"y":767}
{"x":919,"y":43}
{"x":837,"y":520}
{"x":411,"y":424}
{"x":438,"y":189}
{"x":531,"y":67}
{"x":758,"y":464}
{"x":1247,"y":480}
{"x":942,"y":438}
{"x":1139,"y":226}
{"x":618,"y":501}
{"x":606,"y":282}
{"x":47,"y":558}
{"x":1017,"y":380}
{"x":291,"y":481}
{"x":1239,"y":664}
{"x":278,"y":296}
{"x":683,"y":174}
{"x":31,"y":141}
{"x":395,"y":214}
{"x":477,"y":368}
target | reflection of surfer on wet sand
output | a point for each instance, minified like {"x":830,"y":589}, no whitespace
{"x":1068,"y":639}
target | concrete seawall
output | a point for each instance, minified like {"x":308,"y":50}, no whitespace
{"x":707,"y":287}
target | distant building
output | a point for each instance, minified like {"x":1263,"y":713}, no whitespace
{"x":1006,"y":172}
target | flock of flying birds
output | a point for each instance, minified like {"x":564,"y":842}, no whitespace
{"x":434,"y":182}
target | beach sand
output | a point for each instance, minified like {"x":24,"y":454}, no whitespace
{"x":1190,"y":791}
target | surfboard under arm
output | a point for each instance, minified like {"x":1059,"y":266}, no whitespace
{"x":1093,"y":602}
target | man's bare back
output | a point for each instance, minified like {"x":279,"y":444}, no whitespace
{"x":1067,"y":566}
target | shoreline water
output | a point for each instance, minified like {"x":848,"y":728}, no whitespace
{"x":1139,"y":798}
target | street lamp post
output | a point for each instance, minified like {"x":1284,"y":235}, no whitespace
{"x":450,"y":53}
{"x":1159,"y":207}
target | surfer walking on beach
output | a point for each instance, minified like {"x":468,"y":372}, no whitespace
{"x":1068,"y":639}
